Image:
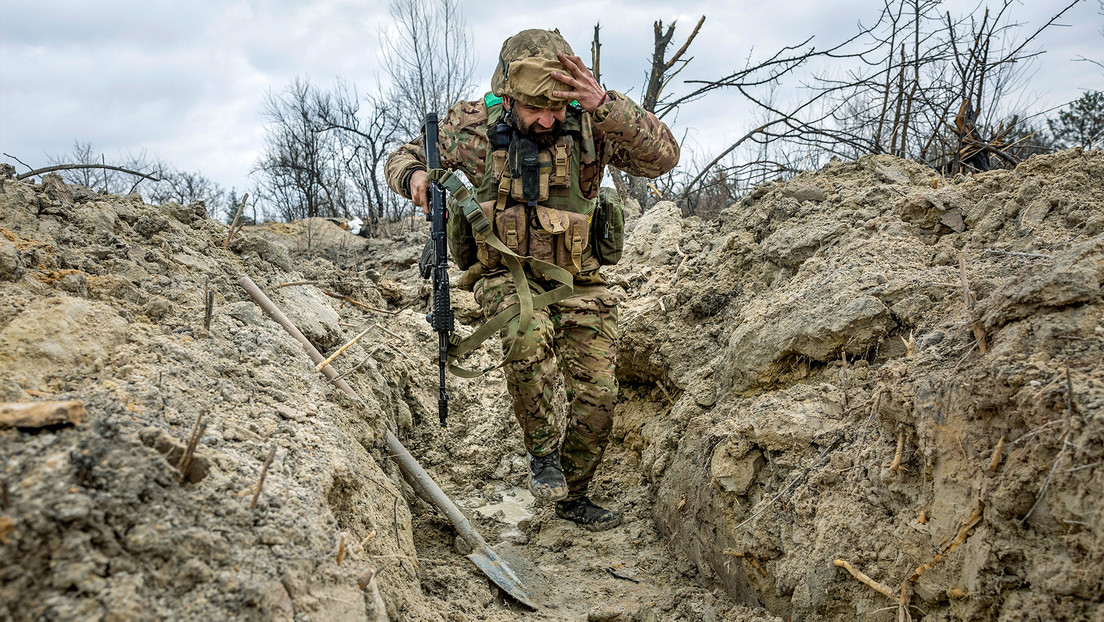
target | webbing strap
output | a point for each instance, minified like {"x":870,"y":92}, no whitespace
{"x":503,"y":192}
{"x":527,"y":302}
{"x":495,"y":324}
{"x":561,"y":163}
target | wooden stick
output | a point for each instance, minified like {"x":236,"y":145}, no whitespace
{"x":384,"y":329}
{"x":359,"y":304}
{"x":881,"y":588}
{"x":968,"y":297}
{"x":903,"y":603}
{"x":74,"y":167}
{"x":341,"y":549}
{"x":234,"y":225}
{"x":261,"y":480}
{"x":343,"y":348}
{"x":209,"y":296}
{"x":366,"y":578}
{"x":756,"y":565}
{"x":896,"y":464}
{"x":186,"y":460}
{"x":353,"y":369}
{"x":963,"y":533}
{"x":994,"y":461}
{"x":377,"y":609}
{"x":365,"y":541}
{"x":910,"y":345}
{"x":1085,"y":466}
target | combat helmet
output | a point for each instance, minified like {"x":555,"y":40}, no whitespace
{"x":525,"y":66}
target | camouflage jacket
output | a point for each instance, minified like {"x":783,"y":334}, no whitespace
{"x":624,"y":135}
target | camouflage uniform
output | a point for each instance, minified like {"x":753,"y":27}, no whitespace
{"x":577,"y":335}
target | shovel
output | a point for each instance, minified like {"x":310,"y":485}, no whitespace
{"x":516,"y":575}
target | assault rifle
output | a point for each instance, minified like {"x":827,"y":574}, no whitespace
{"x":435,"y":258}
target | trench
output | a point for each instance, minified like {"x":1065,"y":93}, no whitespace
{"x":882,"y":461}
{"x":640,"y":570}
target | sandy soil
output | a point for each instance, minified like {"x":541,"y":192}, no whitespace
{"x":802,"y":382}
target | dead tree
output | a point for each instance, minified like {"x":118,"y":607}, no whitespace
{"x":184,"y":188}
{"x":910,"y":71}
{"x":663,"y":70}
{"x":365,"y":135}
{"x":428,"y":55}
{"x":299,"y":167}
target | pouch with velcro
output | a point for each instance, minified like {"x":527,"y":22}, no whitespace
{"x":567,"y":234}
{"x":511,"y":227}
{"x":486,"y":255}
{"x":608,"y":227}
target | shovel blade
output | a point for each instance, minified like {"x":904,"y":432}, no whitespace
{"x":516,"y":575}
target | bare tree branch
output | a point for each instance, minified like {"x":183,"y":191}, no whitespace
{"x":74,"y":167}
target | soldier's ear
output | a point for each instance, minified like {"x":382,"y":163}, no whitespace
{"x":506,"y":103}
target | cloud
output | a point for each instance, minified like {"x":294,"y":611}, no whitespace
{"x":186,"y":81}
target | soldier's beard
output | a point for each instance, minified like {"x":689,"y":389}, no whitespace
{"x":543,"y":137}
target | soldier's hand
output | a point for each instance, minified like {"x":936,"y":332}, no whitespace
{"x":587,"y":91}
{"x":419,"y":190}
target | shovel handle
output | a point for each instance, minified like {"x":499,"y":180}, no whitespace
{"x":422,"y":483}
{"x":428,"y":489}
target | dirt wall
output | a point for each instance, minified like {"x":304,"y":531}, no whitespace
{"x":102,"y":301}
{"x":825,"y":392}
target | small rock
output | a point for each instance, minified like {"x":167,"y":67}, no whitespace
{"x":74,"y":283}
{"x":953,"y":219}
{"x":806,"y":192}
{"x":72,"y":507}
{"x":607,"y":614}
{"x":157,"y":308}
{"x":11,"y":268}
{"x":41,"y":414}
{"x":930,"y":339}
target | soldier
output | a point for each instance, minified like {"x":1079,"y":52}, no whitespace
{"x":535,"y":150}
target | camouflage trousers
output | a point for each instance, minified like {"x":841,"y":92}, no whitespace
{"x":576,"y":338}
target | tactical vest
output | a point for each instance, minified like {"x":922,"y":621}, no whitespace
{"x":554,"y":224}
{"x":537,"y":224}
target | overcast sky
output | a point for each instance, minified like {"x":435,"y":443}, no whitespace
{"x":186,"y":81}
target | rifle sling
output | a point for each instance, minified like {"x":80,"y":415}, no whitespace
{"x":527,"y":302}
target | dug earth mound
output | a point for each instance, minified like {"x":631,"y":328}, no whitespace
{"x":864,"y":393}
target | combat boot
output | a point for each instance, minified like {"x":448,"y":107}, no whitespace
{"x":546,"y":478}
{"x":586,"y":514}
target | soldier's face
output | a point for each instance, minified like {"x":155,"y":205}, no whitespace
{"x":539,"y":122}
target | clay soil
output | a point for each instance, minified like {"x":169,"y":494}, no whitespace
{"x":868,"y":366}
